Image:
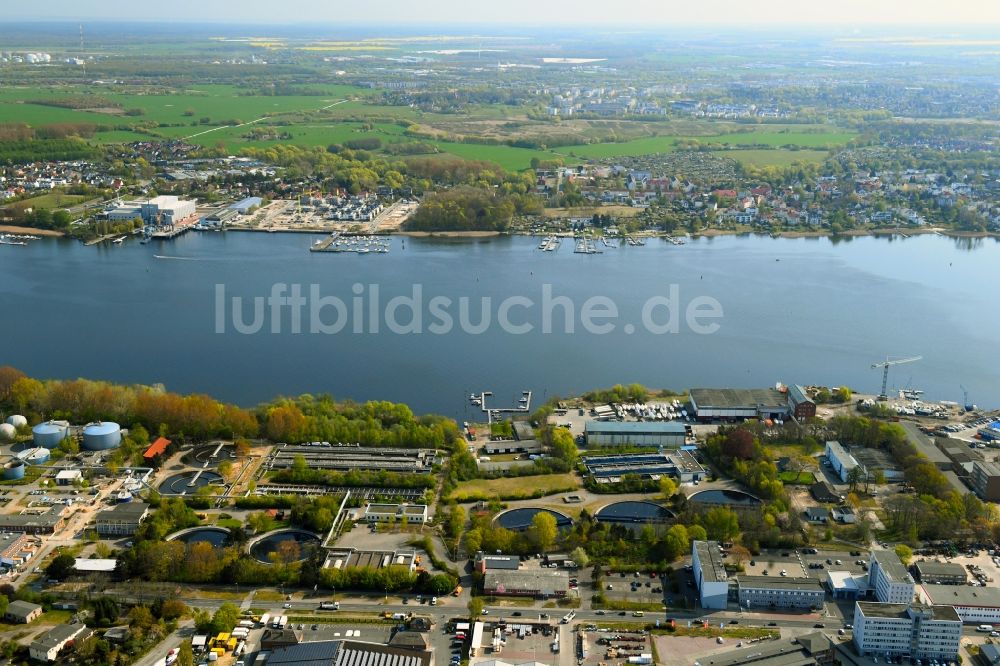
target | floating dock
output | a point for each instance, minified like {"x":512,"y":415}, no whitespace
{"x":479,"y":399}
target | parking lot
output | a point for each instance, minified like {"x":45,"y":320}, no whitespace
{"x":797,"y":564}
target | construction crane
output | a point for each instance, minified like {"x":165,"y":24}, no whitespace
{"x":969,"y":407}
{"x":885,"y":365}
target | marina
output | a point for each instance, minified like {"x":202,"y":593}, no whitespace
{"x":586,"y":245}
{"x":550,"y":244}
{"x":479,"y":400}
{"x":336,"y":242}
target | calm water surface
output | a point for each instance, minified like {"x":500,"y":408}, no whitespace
{"x":795,"y":310}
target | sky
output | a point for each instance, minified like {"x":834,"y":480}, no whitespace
{"x":550,"y":13}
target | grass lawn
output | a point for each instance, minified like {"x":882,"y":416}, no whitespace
{"x":509,"y":488}
{"x":797,"y":478}
{"x":509,"y":157}
{"x":665,"y":144}
{"x":51,"y":201}
{"x":777,"y":157}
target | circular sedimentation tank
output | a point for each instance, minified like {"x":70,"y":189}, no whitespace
{"x":520,"y":519}
{"x":270,"y":547}
{"x":203,"y":455}
{"x":36,"y":456}
{"x":102,"y":436}
{"x":50,"y":433}
{"x":728,"y":497}
{"x":187,"y":483}
{"x":13,"y":469}
{"x":634,"y":513}
{"x":7,"y":432}
{"x":17,"y":421}
{"x":217,"y":536}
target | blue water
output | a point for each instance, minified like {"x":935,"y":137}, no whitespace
{"x":520,"y":519}
{"x":809,"y":311}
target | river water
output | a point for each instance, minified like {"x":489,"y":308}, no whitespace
{"x":810,"y":311}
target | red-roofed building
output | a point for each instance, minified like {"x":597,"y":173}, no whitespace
{"x":157,"y":448}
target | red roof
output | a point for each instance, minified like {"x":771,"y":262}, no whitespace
{"x":157,"y":448}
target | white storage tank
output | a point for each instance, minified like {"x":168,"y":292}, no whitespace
{"x":17,"y":421}
{"x":7,"y":432}
{"x":50,"y":433}
{"x":102,"y":436}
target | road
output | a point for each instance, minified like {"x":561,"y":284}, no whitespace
{"x":183,"y":633}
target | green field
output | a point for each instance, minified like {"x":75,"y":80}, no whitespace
{"x":51,"y":201}
{"x":775,"y":157}
{"x":797,"y":478}
{"x":523,"y":486}
{"x":509,"y":157}
{"x":664,"y":144}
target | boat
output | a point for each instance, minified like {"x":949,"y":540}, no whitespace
{"x":119,"y":241}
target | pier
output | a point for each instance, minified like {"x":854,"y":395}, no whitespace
{"x":479,"y":399}
{"x":586,"y":246}
{"x":357,"y":244}
{"x":323,"y":244}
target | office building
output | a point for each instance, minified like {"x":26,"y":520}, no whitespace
{"x":905,"y":630}
{"x":975,"y":605}
{"x":771,"y":592}
{"x":941,"y":573}
{"x":892,"y":583}
{"x":122,"y":520}
{"x":710,"y":574}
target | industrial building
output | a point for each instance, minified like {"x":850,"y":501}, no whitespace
{"x":776,"y":592}
{"x":799,"y":404}
{"x":710,"y":574}
{"x":664,"y":434}
{"x":48,"y":522}
{"x":975,"y":605}
{"x":246,"y":206}
{"x":986,"y":480}
{"x":68,"y":477}
{"x":500,"y":447}
{"x":122,"y":520}
{"x":343,"y":558}
{"x":46,"y":647}
{"x":486,"y":562}
{"x":889,"y":578}
{"x":543,"y":583}
{"x":739,"y":404}
{"x":810,"y":650}
{"x":347,"y":653}
{"x":941,"y":573}
{"x":841,"y":461}
{"x":399,"y":513}
{"x":16,"y":549}
{"x":680,"y":465}
{"x":166,"y":211}
{"x":22,"y":612}
{"x":344,"y":458}
{"x":990,"y":432}
{"x":906,"y":630}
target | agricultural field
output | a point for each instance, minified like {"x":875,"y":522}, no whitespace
{"x":515,"y":487}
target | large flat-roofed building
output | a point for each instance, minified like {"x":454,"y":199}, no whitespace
{"x":486,"y":562}
{"x":33,"y":523}
{"x":738,"y":404}
{"x":801,"y":405}
{"x":941,"y":573}
{"x":527,"y":583}
{"x":166,"y":210}
{"x":16,"y":549}
{"x":847,"y":585}
{"x":808,"y":650}
{"x":710,"y":575}
{"x":500,"y":447}
{"x":122,"y":520}
{"x":342,"y":558}
{"x":667,"y":434}
{"x":384,"y":513}
{"x":889,"y":578}
{"x":915,"y":631}
{"x":245,"y":206}
{"x":775,"y":592}
{"x":348,"y":653}
{"x":975,"y":605}
{"x":986,"y":480}
{"x":341,"y":457}
{"x":841,"y":461}
{"x":681,"y":465}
